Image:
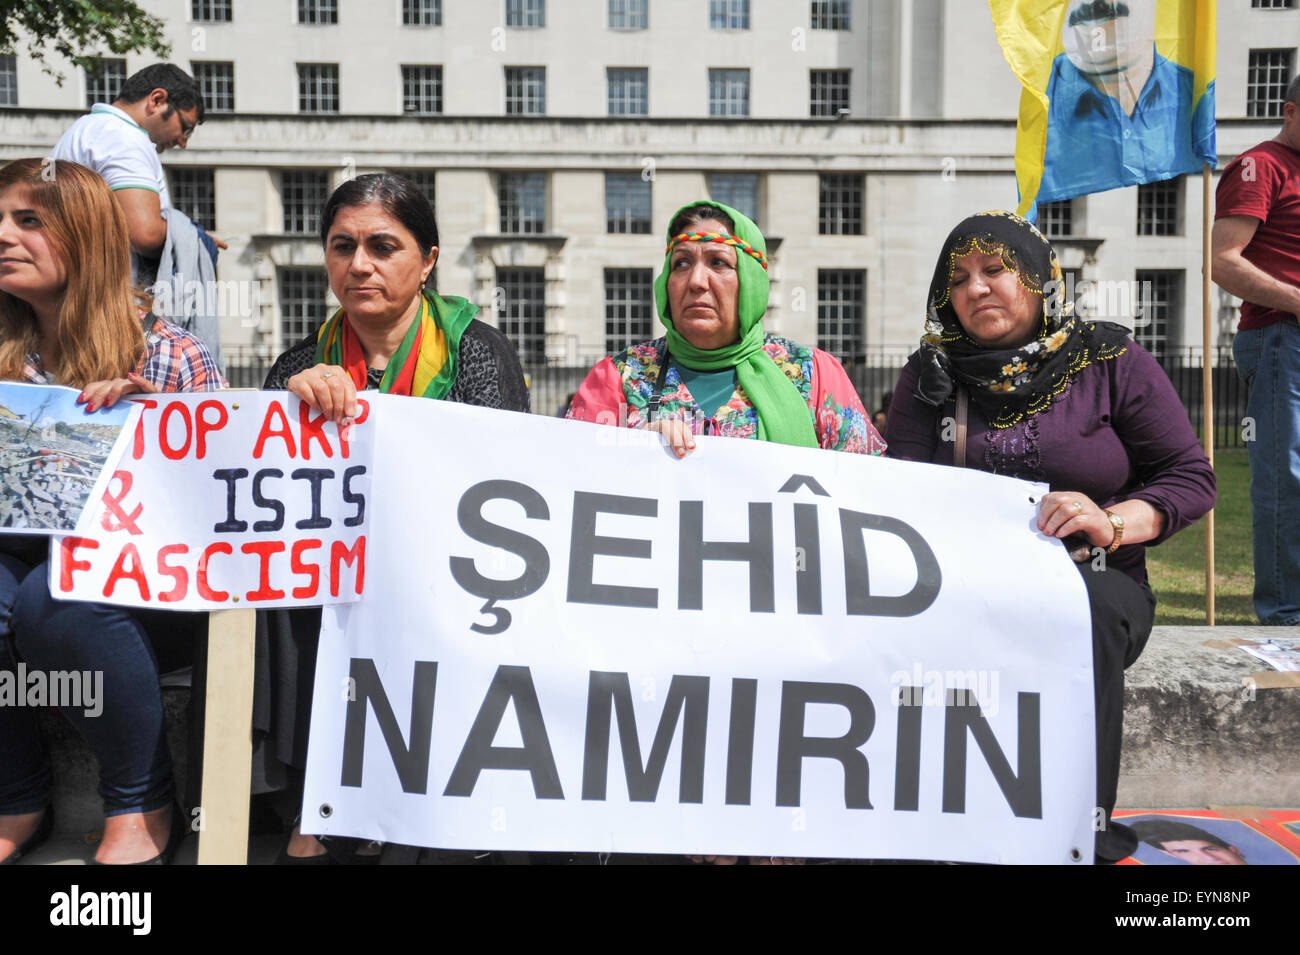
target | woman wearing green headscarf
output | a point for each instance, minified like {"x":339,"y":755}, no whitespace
{"x":717,"y":371}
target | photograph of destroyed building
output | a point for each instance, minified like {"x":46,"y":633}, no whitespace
{"x":51,"y":454}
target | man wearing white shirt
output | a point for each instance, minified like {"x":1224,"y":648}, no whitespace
{"x":157,"y":108}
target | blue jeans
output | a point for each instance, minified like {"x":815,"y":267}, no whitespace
{"x":127,"y":736}
{"x":1268,"y":360}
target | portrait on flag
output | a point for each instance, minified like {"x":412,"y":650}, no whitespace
{"x":1115,"y":93}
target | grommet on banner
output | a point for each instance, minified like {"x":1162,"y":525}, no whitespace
{"x":1076,"y":855}
{"x":326,"y":810}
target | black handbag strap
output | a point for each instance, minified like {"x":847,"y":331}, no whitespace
{"x":959,"y":445}
{"x":659,"y":387}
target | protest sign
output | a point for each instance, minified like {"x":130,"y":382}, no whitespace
{"x":570,"y":640}
{"x":54,"y":456}
{"x":225,"y":499}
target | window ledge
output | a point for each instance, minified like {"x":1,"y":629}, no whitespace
{"x":489,"y":239}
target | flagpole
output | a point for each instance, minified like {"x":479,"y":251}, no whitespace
{"x":1207,"y":380}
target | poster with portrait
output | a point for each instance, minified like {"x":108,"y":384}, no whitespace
{"x":1210,"y":837}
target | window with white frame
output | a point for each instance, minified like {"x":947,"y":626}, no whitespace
{"x":828,"y":92}
{"x":1157,"y":208}
{"x":627,"y":203}
{"x":736,"y":189}
{"x":318,"y":11}
{"x":104,"y":81}
{"x":318,"y":88}
{"x":830,"y":14}
{"x":302,"y":302}
{"x":521,"y":200}
{"x":628,"y":14}
{"x":525,"y":91}
{"x":629,"y":308}
{"x":422,"y":13}
{"x":1056,"y":219}
{"x":422,"y":90}
{"x":217,"y":84}
{"x":211,"y":11}
{"x":728,"y":92}
{"x":728,"y":14}
{"x":841,"y":203}
{"x":628,"y":91}
{"x":1159,"y":311}
{"x":194,"y":194}
{"x":525,"y":13}
{"x":302,"y":194}
{"x":1267,"y":76}
{"x":521,"y":312}
{"x":8,"y":80}
{"x":424,"y":180}
{"x":1272,"y":4}
{"x":841,"y":313}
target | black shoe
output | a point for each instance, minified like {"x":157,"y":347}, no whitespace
{"x":175,"y":836}
{"x":35,"y":840}
{"x":1115,"y":843}
{"x":325,"y":858}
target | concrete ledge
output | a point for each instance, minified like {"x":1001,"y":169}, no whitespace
{"x":1198,"y":732}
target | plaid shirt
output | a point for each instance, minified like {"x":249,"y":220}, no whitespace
{"x":173,"y":360}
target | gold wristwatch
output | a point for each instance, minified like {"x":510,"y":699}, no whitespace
{"x":1116,"y":522}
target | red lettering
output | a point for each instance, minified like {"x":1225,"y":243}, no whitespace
{"x":177,"y":574}
{"x":68,"y":559}
{"x":264,"y":550}
{"x":120,"y":571}
{"x":340,"y":555}
{"x":201,"y":577}
{"x":202,"y":426}
{"x":137,"y":447}
{"x":345,"y":434}
{"x":171,"y":453}
{"x":275,"y":410}
{"x":309,"y":428}
{"x":310,"y":571}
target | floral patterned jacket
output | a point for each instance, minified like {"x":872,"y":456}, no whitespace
{"x":618,"y":391}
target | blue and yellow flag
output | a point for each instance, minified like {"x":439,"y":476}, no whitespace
{"x":1115,"y":94}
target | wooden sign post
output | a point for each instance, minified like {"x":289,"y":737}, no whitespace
{"x":228,"y":738}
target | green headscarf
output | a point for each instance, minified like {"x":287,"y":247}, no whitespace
{"x":783,"y":414}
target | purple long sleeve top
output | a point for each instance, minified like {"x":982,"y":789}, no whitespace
{"x":1118,"y":433}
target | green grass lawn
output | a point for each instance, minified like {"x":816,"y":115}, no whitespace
{"x":1177,"y":567}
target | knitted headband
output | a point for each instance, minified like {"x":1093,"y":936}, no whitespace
{"x":718,"y":237}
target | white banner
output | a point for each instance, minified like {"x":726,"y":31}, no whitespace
{"x":570,"y":640}
{"x":224,"y":499}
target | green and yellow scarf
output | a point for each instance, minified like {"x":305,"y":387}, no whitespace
{"x":425,"y":364}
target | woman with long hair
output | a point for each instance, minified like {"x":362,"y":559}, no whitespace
{"x":68,"y":316}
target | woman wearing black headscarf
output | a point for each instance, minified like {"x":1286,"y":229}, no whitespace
{"x":1038,"y":393}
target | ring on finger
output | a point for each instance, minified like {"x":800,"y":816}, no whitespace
{"x":1078,"y":508}
{"x":326,"y":374}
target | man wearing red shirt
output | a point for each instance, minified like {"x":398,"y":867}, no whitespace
{"x":1256,"y":257}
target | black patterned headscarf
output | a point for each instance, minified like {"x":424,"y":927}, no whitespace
{"x":1008,"y":384}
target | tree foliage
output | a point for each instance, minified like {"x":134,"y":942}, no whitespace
{"x":79,"y":31}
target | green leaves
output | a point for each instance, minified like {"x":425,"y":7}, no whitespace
{"x":79,"y":31}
